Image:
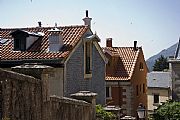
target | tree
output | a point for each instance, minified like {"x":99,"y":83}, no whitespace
{"x":101,"y":114}
{"x":161,"y":64}
{"x":169,"y":110}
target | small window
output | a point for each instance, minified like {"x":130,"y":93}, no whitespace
{"x":137,"y":90}
{"x":144,"y":88}
{"x":108,"y":92}
{"x":156,"y":98}
{"x":141,"y":67}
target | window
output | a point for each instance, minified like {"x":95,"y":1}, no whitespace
{"x":156,"y":98}
{"x":88,"y":58}
{"x":137,"y":90}
{"x":108,"y":92}
{"x":141,"y":67}
{"x":144,"y":88}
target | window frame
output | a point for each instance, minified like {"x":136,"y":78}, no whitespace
{"x":109,"y":90}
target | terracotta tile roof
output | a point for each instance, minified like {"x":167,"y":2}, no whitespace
{"x":71,"y":36}
{"x":126,"y":58}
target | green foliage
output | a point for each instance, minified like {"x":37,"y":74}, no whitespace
{"x":168,"y":111}
{"x":104,"y":115}
{"x":161,"y":64}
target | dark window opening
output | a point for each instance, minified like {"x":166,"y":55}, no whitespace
{"x":156,"y":98}
{"x":141,"y":67}
{"x":144,"y":88}
{"x":137,"y":90}
{"x":107,"y":92}
{"x":88,"y":57}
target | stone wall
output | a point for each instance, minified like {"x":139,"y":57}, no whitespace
{"x":26,"y":98}
{"x":21,"y":96}
{"x":62,"y":108}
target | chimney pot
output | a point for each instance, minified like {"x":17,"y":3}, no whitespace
{"x":135,"y":45}
{"x":108,"y":42}
{"x":86,"y":13}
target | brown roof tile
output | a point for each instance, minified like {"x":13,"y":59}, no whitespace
{"x":126,"y":58}
{"x":71,"y":36}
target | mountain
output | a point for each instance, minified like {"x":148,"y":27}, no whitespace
{"x":166,"y":52}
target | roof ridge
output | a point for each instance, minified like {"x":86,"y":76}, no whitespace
{"x":42,"y":27}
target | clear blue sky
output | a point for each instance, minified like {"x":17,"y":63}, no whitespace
{"x":155,"y":24}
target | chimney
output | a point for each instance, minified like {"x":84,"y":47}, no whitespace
{"x":87,"y":20}
{"x":135,"y":45}
{"x":55,"y":40}
{"x":39,"y":24}
{"x":108,"y":42}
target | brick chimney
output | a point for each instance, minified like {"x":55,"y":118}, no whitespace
{"x":87,"y":20}
{"x":108,"y":42}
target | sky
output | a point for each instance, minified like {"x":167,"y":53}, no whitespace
{"x":155,"y":24}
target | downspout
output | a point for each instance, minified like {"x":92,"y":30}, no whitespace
{"x":119,"y":93}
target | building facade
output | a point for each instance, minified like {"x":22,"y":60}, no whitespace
{"x":75,"y":59}
{"x":159,"y":89}
{"x":126,"y":82}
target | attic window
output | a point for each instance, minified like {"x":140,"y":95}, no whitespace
{"x":141,"y":67}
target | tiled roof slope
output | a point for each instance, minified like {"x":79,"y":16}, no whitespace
{"x":71,"y":36}
{"x":125,"y":64}
{"x":159,"y":79}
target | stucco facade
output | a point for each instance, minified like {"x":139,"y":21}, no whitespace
{"x":164,"y":95}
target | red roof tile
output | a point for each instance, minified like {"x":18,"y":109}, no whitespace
{"x":125,"y":63}
{"x":71,"y":36}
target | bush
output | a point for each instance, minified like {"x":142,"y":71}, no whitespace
{"x":168,"y":111}
{"x":104,"y":115}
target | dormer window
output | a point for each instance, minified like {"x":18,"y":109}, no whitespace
{"x":24,"y":39}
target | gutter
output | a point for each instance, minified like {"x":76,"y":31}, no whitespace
{"x":42,"y":61}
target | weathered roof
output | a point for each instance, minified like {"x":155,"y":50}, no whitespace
{"x":71,"y":36}
{"x":125,"y":64}
{"x":159,"y":79}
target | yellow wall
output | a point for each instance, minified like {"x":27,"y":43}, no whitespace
{"x":139,"y":78}
{"x":163,"y":96}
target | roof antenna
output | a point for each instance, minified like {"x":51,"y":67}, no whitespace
{"x":55,"y":25}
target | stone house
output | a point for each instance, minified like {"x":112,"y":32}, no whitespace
{"x":159,"y":89}
{"x":74,"y":58}
{"x":125,"y":77}
{"x":174,"y":66}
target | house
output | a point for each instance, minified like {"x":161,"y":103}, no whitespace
{"x":159,"y":89}
{"x":69,"y":57}
{"x":174,"y":65}
{"x":125,"y":77}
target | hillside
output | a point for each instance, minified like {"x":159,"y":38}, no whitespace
{"x":166,"y":52}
